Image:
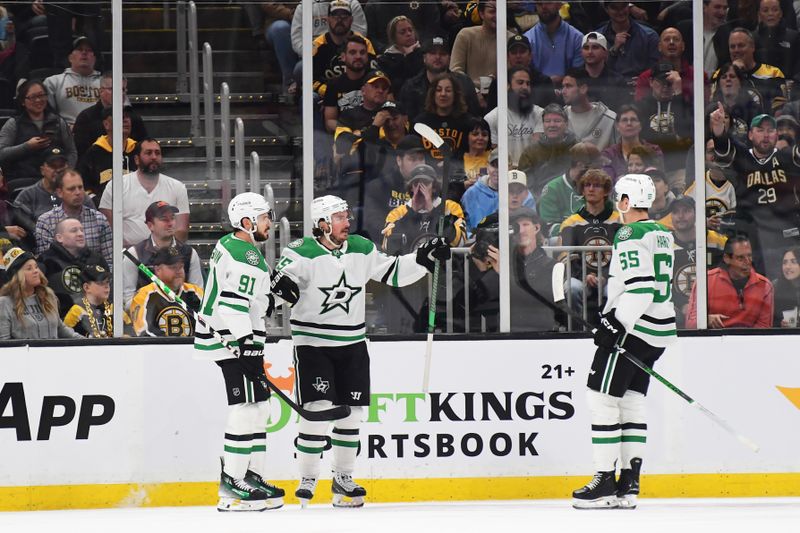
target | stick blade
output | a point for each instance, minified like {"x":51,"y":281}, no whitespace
{"x":559,"y":272}
{"x":429,"y":133}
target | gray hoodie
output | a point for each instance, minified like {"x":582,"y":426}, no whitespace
{"x":34,"y":324}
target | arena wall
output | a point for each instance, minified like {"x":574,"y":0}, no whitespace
{"x":141,"y":425}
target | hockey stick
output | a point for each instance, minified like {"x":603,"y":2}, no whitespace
{"x":436,"y":140}
{"x":340,"y":411}
{"x":635,"y":360}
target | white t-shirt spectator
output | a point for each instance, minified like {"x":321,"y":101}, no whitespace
{"x":137,"y":199}
{"x":521,"y":129}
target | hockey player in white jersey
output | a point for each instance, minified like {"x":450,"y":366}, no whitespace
{"x":324,"y":278}
{"x":639,"y":317}
{"x":235,"y":304}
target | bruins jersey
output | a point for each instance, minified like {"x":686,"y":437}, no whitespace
{"x":685,"y":268}
{"x":327,"y":60}
{"x":585,"y":229}
{"x":154,"y":315}
{"x":720,"y":199}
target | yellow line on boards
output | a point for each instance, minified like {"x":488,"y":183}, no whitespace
{"x":52,"y":497}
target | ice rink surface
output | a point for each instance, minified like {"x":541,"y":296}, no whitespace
{"x":765,"y":515}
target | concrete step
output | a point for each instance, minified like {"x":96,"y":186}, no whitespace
{"x":223,"y":60}
{"x":212,"y":14}
{"x":180,"y":125}
{"x":218,"y":36}
{"x":164,"y":82}
{"x":210,"y":210}
{"x":168,"y":102}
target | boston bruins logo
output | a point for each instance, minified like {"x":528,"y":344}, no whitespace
{"x":715,"y":206}
{"x":663,"y":122}
{"x":172,"y":320}
{"x":71,"y":278}
{"x":591,"y":257}
{"x":684,"y":279}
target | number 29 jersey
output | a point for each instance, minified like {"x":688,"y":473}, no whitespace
{"x":640,"y":283}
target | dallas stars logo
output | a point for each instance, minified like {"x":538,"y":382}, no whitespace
{"x":338,"y":295}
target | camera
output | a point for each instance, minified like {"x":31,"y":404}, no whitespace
{"x":485,"y":237}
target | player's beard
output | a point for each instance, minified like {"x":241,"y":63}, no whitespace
{"x":259,"y":236}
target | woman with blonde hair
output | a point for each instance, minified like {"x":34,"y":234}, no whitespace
{"x":403,"y":58}
{"x":28,"y":308}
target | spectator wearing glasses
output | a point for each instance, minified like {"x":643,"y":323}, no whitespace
{"x":89,"y":123}
{"x":25,"y":137}
{"x":629,"y":129}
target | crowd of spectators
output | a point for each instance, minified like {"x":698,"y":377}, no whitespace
{"x":595,"y":90}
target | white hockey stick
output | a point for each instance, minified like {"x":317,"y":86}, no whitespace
{"x":436,"y":140}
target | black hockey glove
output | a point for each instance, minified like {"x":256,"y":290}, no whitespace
{"x":283,"y":286}
{"x":431,"y":251}
{"x":251,"y":359}
{"x":609,"y":332}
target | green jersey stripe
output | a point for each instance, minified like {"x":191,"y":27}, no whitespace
{"x":642,"y":290}
{"x":212,"y":295}
{"x":342,"y":338}
{"x":606,"y":440}
{"x":655,"y":332}
{"x":240,"y":308}
{"x":309,"y":449}
{"x":344,"y":443}
{"x":233,"y":449}
{"x":634,"y":438}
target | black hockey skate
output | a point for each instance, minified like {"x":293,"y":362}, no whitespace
{"x":305,"y":491}
{"x":239,"y":495}
{"x":628,"y":485}
{"x":346,"y":492}
{"x":274,"y":494}
{"x":599,"y":493}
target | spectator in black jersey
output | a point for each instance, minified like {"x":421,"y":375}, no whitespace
{"x":629,"y":130}
{"x":787,"y":291}
{"x":604,"y":83}
{"x":594,"y":224}
{"x":549,"y":156}
{"x":422,"y":16}
{"x":348,"y":164}
{"x":436,"y":60}
{"x":63,"y":261}
{"x":343,"y":91}
{"x":741,"y":100}
{"x":403,"y":59}
{"x":92,"y":313}
{"x":519,"y":55}
{"x":152,"y":313}
{"x":446,"y":112}
{"x":788,"y":131}
{"x":668,"y":122}
{"x":475,"y":161}
{"x":41,"y":197}
{"x":670,"y":49}
{"x":160,"y":219}
{"x":387,"y":190}
{"x":777,"y":44}
{"x":766,"y":185}
{"x":767,"y":79}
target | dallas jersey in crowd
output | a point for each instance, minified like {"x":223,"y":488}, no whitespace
{"x":331,"y":309}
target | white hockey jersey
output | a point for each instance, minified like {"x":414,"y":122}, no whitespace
{"x":236,"y":297}
{"x":330,"y":311}
{"x":640,"y":282}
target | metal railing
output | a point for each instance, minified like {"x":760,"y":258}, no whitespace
{"x":225,"y":144}
{"x":208,"y":112}
{"x":238,"y":154}
{"x":194,"y":73}
{"x":182,"y":78}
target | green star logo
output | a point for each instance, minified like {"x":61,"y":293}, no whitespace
{"x":339,"y":295}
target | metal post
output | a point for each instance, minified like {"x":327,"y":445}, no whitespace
{"x":116,"y":164}
{"x":208,"y":112}
{"x":165,"y":14}
{"x":269,"y":246}
{"x":700,"y":171}
{"x":502,"y":146}
{"x":255,"y":172}
{"x":181,"y":83}
{"x":449,"y":294}
{"x":194,"y":73}
{"x":238,"y":154}
{"x":466,"y":292}
{"x":225,"y":145}
{"x":284,"y":240}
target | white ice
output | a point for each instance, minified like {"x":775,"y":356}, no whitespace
{"x":764,"y":515}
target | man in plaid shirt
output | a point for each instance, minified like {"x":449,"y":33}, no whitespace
{"x":69,"y":187}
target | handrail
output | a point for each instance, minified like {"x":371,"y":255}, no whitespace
{"x":225,"y":145}
{"x":238,"y":154}
{"x":181,"y":81}
{"x":208,"y":112}
{"x":194,"y":73}
{"x":255,"y":172}
{"x":269,"y":246}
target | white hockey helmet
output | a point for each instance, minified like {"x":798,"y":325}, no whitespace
{"x":638,"y":188}
{"x":324,"y":207}
{"x":247,"y":205}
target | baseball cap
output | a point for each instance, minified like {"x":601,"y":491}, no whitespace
{"x":156,"y":209}
{"x":661,"y":70}
{"x":494,"y":155}
{"x":82,"y":40}
{"x":13,"y":260}
{"x":422,"y":172}
{"x":339,"y":5}
{"x":94,"y":273}
{"x":759,"y":119}
{"x":595,"y":37}
{"x":524,"y":212}
{"x":410,"y":143}
{"x":681,"y":201}
{"x":655,"y":174}
{"x":788,"y":120}
{"x":393,"y":107}
{"x":518,"y":177}
{"x":54,"y":153}
{"x":375,"y":75}
{"x":518,"y":40}
{"x":432,"y":42}
{"x":168,"y":255}
{"x":109,"y":111}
